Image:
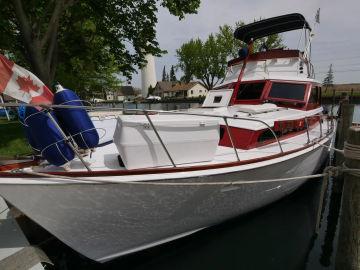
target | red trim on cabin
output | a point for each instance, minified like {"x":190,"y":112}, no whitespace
{"x":247,"y":139}
{"x":158,"y":170}
{"x":234,"y":100}
{"x":281,"y":102}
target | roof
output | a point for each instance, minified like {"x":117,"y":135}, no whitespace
{"x":127,"y":90}
{"x":271,"y":26}
{"x":183,"y":86}
{"x":164,"y":85}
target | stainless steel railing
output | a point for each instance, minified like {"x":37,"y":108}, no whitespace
{"x":148,"y":113}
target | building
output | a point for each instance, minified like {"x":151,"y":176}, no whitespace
{"x":180,"y":90}
{"x":125,"y":93}
{"x":148,"y":75}
{"x":162,"y":87}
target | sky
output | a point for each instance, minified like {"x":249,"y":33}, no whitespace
{"x":336,"y":40}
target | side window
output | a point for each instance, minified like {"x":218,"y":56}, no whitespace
{"x":314,"y":95}
{"x":217,"y":99}
{"x":287,"y":91}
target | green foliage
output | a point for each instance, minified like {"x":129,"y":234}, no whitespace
{"x":80,"y":43}
{"x":207,"y":60}
{"x":180,"y":7}
{"x":329,"y":79}
{"x":172,"y":74}
{"x":151,"y":90}
{"x":12,"y":139}
{"x":164,"y":74}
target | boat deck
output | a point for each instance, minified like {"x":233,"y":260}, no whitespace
{"x":106,"y":157}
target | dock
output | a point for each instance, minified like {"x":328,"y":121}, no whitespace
{"x":15,"y":250}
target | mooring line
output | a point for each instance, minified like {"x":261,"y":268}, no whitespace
{"x":328,"y":171}
{"x":158,"y":183}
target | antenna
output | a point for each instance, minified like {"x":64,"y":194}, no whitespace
{"x":307,"y":52}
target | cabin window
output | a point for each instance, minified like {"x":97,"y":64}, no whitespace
{"x":250,"y":90}
{"x":315,"y":95}
{"x":217,"y":99}
{"x":287,"y":91}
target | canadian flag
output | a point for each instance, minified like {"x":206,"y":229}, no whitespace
{"x":21,"y":84}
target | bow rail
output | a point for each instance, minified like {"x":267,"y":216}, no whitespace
{"x":225,"y":118}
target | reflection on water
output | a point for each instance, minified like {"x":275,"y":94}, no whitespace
{"x":322,"y":255}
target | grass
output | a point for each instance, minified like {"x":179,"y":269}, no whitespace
{"x":329,"y":93}
{"x":12,"y":139}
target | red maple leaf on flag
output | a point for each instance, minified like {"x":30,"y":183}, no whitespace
{"x":26,"y":84}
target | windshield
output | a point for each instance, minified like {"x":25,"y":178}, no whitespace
{"x":287,"y":91}
{"x":250,"y":90}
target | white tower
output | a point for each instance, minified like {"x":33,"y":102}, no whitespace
{"x":148,"y":76}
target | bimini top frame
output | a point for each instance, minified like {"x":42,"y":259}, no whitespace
{"x":271,"y":26}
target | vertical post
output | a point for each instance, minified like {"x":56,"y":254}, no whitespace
{"x":159,"y":138}
{"x":67,"y":141}
{"x":6,"y":111}
{"x":348,"y":252}
{"x":333,"y":102}
{"x":231,"y":139}
{"x":307,"y":130}
{"x":321,"y":129}
{"x":346,"y":117}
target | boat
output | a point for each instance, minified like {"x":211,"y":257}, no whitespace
{"x":167,"y":174}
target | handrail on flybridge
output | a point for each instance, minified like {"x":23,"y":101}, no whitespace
{"x":147,"y":114}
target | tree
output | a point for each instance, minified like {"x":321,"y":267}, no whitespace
{"x":164,"y":74}
{"x":172,"y":74}
{"x":329,"y":79}
{"x":39,"y":34}
{"x":207,"y":60}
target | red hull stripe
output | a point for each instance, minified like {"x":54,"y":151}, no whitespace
{"x":20,"y":165}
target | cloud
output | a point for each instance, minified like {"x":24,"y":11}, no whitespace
{"x":336,"y":38}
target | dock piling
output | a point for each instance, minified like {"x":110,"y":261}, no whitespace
{"x":346,"y":116}
{"x":348,"y":254}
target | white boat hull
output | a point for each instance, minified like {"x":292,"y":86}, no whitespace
{"x":105,"y":221}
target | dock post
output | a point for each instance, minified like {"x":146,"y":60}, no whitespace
{"x":346,"y":117}
{"x":348,"y":254}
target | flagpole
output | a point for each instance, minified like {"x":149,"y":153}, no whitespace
{"x":311,"y":35}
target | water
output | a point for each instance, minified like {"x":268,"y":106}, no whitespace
{"x":356,"y":112}
{"x":279,"y":236}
